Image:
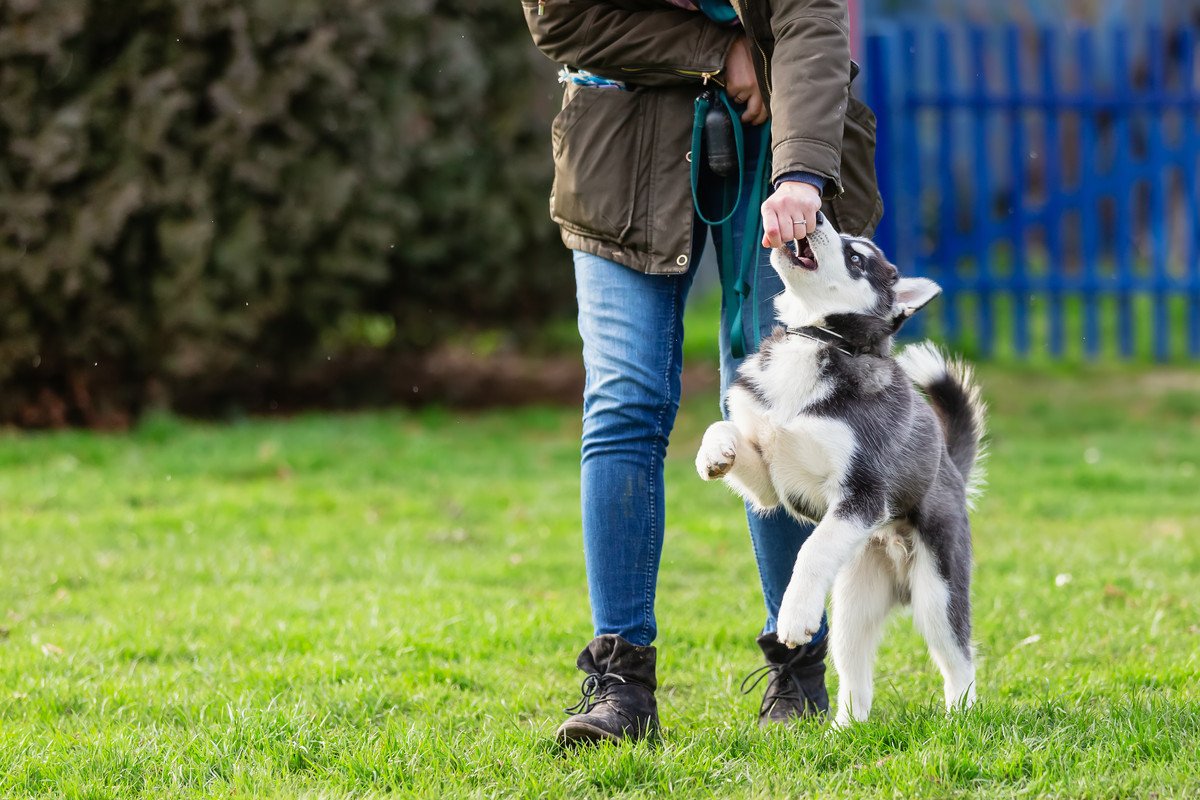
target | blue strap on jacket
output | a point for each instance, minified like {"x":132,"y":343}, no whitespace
{"x":718,"y":10}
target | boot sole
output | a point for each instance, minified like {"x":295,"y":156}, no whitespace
{"x":582,"y":733}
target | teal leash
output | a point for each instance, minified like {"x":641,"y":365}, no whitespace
{"x":702,"y":107}
{"x":737,"y":285}
{"x":752,"y":245}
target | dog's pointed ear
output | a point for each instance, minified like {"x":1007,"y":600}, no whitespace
{"x":912,"y":294}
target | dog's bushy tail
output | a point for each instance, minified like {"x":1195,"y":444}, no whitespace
{"x":950,"y":386}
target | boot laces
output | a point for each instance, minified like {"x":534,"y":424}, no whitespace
{"x":779,"y":687}
{"x":594,"y":688}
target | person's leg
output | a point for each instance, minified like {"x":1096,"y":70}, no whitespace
{"x":632,"y":330}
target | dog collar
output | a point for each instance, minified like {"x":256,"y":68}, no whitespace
{"x":826,"y":336}
{"x":851,"y":334}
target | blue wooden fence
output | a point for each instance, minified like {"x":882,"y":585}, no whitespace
{"x":1047,"y":180}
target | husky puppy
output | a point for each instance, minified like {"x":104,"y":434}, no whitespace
{"x":824,"y":422}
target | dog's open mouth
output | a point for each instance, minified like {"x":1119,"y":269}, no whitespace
{"x":800,"y":254}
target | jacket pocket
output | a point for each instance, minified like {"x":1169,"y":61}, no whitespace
{"x":858,"y":208}
{"x":597,"y":151}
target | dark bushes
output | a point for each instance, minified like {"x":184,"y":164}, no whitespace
{"x":202,"y":202}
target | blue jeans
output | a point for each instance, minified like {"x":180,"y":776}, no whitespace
{"x":632,"y":330}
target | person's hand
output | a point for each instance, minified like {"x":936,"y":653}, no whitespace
{"x":741,"y":84}
{"x":790,"y":213}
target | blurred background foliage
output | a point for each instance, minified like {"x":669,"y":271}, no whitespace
{"x":216,"y":207}
{"x":209,"y":204}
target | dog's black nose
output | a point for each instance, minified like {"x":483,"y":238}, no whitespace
{"x":820,"y":217}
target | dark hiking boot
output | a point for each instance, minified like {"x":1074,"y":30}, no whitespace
{"x":796,"y":689}
{"x":618,"y":693}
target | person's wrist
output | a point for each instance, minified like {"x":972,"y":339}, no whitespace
{"x":809,"y":178}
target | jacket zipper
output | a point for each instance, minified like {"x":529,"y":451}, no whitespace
{"x":541,"y":7}
{"x":766,"y":67}
{"x":704,"y":77}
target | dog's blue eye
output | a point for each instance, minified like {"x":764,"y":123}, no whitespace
{"x":855,"y":259}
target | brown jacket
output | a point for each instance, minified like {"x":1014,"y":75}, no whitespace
{"x":621,"y":179}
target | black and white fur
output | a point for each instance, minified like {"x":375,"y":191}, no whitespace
{"x":826,"y":423}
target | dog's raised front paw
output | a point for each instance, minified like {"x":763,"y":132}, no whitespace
{"x":717,"y":451}
{"x":799,"y":619}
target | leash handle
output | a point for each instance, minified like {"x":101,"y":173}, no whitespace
{"x":736,"y":286}
{"x":704,"y":102}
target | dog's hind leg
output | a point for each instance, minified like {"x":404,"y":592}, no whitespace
{"x":863,"y":593}
{"x":941,"y":612}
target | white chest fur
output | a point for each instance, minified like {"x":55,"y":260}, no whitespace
{"x":809,"y":458}
{"x":789,"y":378}
{"x":806,"y":456}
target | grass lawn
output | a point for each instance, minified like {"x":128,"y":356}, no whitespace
{"x":391,"y":604}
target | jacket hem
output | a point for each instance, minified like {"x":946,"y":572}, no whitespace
{"x":636,"y":260}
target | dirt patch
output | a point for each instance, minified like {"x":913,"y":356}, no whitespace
{"x":457,"y":377}
{"x":453,"y":376}
{"x":1170,"y":380}
{"x":460,"y":378}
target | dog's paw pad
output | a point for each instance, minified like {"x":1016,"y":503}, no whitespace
{"x":716,"y":468}
{"x":717,"y":454}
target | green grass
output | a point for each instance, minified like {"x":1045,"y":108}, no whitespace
{"x":391,"y":604}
